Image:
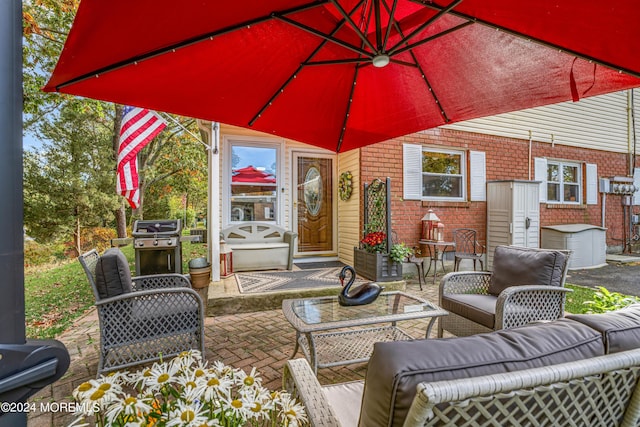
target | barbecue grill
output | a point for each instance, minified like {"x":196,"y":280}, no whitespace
{"x":158,"y":247}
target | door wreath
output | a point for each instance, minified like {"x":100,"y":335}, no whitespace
{"x":345,"y":185}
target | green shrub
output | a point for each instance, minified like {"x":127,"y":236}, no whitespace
{"x":604,"y":300}
{"x":98,"y":237}
{"x":36,"y":254}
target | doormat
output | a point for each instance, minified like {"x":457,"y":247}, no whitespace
{"x":288,"y":280}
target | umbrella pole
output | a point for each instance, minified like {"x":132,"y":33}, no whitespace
{"x":12,"y":245}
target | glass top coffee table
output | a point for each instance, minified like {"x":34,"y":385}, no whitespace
{"x":332,"y":335}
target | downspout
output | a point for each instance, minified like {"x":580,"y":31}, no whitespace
{"x":212,"y":132}
{"x":631,"y":140}
{"x":530,"y":142}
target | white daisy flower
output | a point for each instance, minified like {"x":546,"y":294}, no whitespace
{"x":292,"y":412}
{"x":128,"y":406}
{"x":160,"y":376}
{"x":187,"y":415}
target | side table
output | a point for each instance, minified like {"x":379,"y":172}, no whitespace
{"x":436,"y":253}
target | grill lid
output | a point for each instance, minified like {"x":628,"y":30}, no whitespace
{"x":156,"y":227}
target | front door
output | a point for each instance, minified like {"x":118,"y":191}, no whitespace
{"x":313,"y":203}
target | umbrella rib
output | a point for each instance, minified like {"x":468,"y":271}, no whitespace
{"x":391,"y":15}
{"x":533,"y":39}
{"x":185,"y":43}
{"x":423,"y":75}
{"x":376,"y":7}
{"x":338,"y":61}
{"x":293,"y":76}
{"x":346,"y":16}
{"x":429,"y":21}
{"x":433,"y":37}
{"x":351,"y":92}
{"x":322,"y":35}
{"x":346,"y":116}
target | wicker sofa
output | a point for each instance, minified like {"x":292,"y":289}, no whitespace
{"x":582,"y":370}
{"x":260,"y":246}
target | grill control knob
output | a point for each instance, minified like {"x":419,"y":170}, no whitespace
{"x":155,"y":243}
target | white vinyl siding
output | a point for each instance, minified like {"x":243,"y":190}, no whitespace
{"x":599,"y":122}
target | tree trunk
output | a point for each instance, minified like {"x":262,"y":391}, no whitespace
{"x":121,"y":221}
{"x":120,"y":213}
{"x":76,"y":237}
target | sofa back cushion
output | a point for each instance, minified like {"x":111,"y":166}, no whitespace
{"x":513,"y":266}
{"x":396,"y":368}
{"x":113,"y":276}
{"x":620,"y":329}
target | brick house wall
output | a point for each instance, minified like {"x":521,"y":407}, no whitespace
{"x":506,"y":158}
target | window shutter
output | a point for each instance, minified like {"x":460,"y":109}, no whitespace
{"x":541,"y":175}
{"x":478,"y":176}
{"x":412,"y":171}
{"x":592,"y":184}
{"x":636,"y":182}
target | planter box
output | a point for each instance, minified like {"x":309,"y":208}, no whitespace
{"x":375,"y":266}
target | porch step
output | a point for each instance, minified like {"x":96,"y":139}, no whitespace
{"x":224,"y":298}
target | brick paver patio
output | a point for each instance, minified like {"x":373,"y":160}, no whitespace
{"x":262,"y":339}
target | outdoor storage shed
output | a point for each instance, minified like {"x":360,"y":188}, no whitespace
{"x":588,"y":243}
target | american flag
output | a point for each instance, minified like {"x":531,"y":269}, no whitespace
{"x":139,"y":127}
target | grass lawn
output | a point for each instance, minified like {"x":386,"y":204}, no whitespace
{"x":58,"y":294}
{"x":575,"y":300}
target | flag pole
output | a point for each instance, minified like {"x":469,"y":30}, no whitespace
{"x":194,"y":136}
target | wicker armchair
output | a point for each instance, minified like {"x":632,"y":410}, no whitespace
{"x":141,"y":318}
{"x":526,"y":285}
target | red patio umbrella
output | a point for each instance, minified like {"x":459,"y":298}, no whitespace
{"x":252,"y":175}
{"x":341,"y":74}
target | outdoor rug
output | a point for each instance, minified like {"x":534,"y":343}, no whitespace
{"x":288,"y":280}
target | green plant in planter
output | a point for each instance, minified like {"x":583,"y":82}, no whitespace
{"x":400,"y":252}
{"x":604,"y":300}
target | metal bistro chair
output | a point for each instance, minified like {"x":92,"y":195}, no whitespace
{"x":142,"y":319}
{"x":467,"y":247}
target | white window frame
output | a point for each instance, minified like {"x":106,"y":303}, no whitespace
{"x":463,"y":175}
{"x":229,"y":142}
{"x":580,"y":184}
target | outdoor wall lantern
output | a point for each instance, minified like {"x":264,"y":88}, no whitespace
{"x":226,"y":260}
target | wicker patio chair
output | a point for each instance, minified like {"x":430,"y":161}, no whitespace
{"x":467,"y":247}
{"x":526,"y":285}
{"x":142,"y":319}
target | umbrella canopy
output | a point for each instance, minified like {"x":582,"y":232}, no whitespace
{"x":341,"y":74}
{"x":252,"y":175}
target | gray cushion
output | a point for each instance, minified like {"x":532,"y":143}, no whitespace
{"x":113,"y":276}
{"x":396,"y":368}
{"x":513,"y":266}
{"x":477,"y":308}
{"x":620,"y":329}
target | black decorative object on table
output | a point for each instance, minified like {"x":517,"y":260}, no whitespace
{"x":363,"y":294}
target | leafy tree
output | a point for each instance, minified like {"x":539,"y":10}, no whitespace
{"x":69,"y":182}
{"x":168,"y":165}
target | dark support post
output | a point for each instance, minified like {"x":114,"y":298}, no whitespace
{"x":12,"y":245}
{"x":387,"y":188}
{"x":25,"y":366}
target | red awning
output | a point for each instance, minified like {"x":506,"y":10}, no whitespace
{"x":308,"y":70}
